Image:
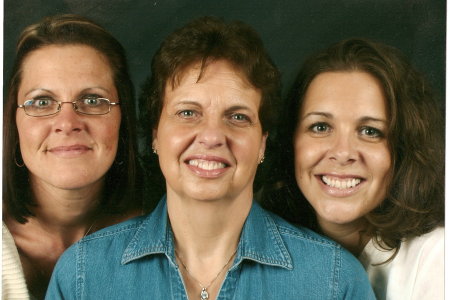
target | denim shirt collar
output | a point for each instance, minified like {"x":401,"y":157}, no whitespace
{"x":260,"y":239}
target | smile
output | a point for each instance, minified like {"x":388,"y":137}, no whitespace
{"x":70,"y":151}
{"x":341,"y":183}
{"x":206,"y":164}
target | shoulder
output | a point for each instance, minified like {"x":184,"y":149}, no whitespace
{"x":122,"y":228}
{"x":111,"y":240}
{"x":416,"y":272}
{"x":299,"y":234}
{"x":308,"y":246}
{"x":13,"y":280}
{"x":116,"y":236}
{"x":324,"y":260}
{"x":425,"y":254}
{"x":429,"y":246}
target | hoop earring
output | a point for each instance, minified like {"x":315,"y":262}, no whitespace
{"x":118,"y":163}
{"x":20,"y":165}
{"x":120,"y":149}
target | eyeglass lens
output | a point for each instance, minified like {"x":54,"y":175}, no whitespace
{"x":48,"y":106}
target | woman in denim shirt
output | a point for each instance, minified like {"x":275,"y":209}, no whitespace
{"x":210,"y":105}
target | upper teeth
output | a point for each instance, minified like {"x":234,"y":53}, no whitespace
{"x":206,"y":164}
{"x":341,"y":184}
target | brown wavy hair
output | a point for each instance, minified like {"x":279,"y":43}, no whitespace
{"x":414,"y":203}
{"x":120,"y":193}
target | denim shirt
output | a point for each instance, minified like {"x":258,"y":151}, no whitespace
{"x":274,"y":260}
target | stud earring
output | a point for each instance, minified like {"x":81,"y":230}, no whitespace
{"x":262,"y":160}
{"x":154,"y":151}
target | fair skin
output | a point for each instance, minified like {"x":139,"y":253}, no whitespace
{"x":342,"y":159}
{"x":67,"y":155}
{"x":209,"y":142}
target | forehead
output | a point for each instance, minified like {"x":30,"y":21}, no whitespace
{"x":198,"y":71}
{"x":72,"y":64}
{"x":68,"y":57}
{"x":216,"y":78}
{"x":345,"y":91}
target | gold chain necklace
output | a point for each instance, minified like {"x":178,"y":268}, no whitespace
{"x":90,"y":227}
{"x":204,"y":295}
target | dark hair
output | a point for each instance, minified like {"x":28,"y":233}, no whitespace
{"x":120,"y":179}
{"x":201,"y":41}
{"x":414,"y":203}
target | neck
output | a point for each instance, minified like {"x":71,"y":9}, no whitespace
{"x":215,"y":223}
{"x":206,"y":233}
{"x":352,"y":236}
{"x":62,"y":211}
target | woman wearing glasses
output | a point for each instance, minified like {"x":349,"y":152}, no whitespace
{"x":69,"y":146}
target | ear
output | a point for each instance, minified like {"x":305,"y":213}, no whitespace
{"x":262,"y":149}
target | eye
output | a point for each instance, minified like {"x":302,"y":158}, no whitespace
{"x":320,"y":128}
{"x":40,"y":103}
{"x":91,"y":101}
{"x":187,"y":114}
{"x":371,"y":132}
{"x":240,"y":118}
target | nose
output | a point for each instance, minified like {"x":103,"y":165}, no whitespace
{"x":211,"y":134}
{"x":343,"y":149}
{"x":67,"y":120}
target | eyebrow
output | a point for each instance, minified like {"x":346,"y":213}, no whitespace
{"x":330,"y":116}
{"x":188,"y":102}
{"x":81,"y":92}
{"x":372,"y":119}
{"x":315,"y":113}
{"x":238,"y":107}
{"x":94,"y":88}
{"x":38,"y":89}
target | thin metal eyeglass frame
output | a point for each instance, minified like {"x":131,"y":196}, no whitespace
{"x":74,"y":105}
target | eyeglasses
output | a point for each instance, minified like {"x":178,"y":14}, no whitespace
{"x":42,"y":107}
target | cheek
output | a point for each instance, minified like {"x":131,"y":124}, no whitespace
{"x":31,"y":135}
{"x":174,"y":139}
{"x":171,"y":144}
{"x":246,"y":148}
{"x":248,"y":144}
{"x":107,"y":133}
{"x":305,"y":153}
{"x":380,"y":161}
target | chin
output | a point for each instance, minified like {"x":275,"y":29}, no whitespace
{"x":205,"y":196}
{"x":338,"y":215}
{"x":73,"y":185}
{"x":74,"y":181}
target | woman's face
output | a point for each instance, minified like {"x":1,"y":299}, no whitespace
{"x":342,"y":160}
{"x":67,"y":150}
{"x":209,"y":138}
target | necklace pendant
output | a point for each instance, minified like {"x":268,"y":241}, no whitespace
{"x":204,"y":294}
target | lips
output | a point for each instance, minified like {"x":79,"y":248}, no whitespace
{"x":207,"y":166}
{"x":341,"y":183}
{"x":70,"y":150}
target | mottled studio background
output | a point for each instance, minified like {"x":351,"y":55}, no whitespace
{"x":291,"y":29}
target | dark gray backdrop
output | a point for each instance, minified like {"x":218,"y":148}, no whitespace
{"x":291,"y":29}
